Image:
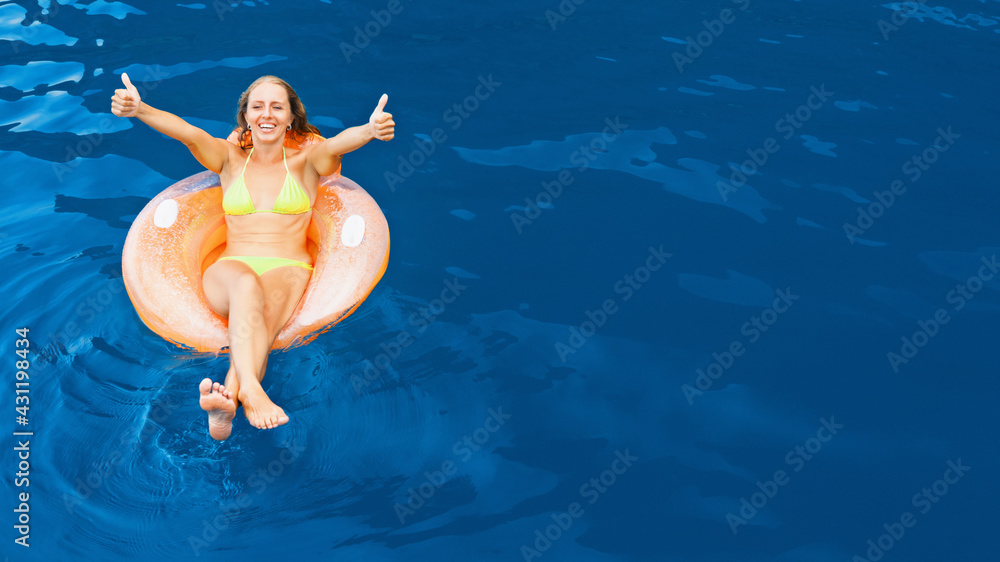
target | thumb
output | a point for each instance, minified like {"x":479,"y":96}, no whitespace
{"x":128,"y":86}
{"x":381,"y":103}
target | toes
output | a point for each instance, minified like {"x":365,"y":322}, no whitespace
{"x":272,"y":421}
{"x":266,"y":420}
{"x":205,"y":386}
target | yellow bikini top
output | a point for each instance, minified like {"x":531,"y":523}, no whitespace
{"x":292,"y":200}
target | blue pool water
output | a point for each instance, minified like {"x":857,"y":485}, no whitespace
{"x":722,"y":284}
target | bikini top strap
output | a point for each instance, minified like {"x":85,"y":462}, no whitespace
{"x":283,"y":159}
{"x":247,"y":162}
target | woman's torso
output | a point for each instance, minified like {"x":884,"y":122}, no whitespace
{"x":265,"y":233}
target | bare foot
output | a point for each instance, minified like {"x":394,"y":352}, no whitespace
{"x":221,"y":408}
{"x":260,"y":411}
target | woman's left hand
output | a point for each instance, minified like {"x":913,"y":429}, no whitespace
{"x":382,"y":126}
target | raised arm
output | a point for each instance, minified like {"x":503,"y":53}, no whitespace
{"x":325,"y":157}
{"x":210,"y":152}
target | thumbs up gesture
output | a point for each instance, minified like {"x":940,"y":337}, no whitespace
{"x":381,"y":123}
{"x":125,"y":103}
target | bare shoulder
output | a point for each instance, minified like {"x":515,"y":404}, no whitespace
{"x":320,"y":159}
{"x":298,"y":163}
{"x":236,"y":153}
{"x":307,"y":152}
{"x":235,"y":156}
{"x":297,"y":156}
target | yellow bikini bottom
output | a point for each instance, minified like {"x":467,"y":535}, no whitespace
{"x":262,"y":264}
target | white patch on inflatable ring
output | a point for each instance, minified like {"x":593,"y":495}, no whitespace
{"x":353,"y":231}
{"x":166,"y":213}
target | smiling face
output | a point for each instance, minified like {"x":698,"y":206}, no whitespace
{"x":268,"y":112}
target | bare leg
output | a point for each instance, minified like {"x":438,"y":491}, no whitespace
{"x":232,"y":383}
{"x":234,"y":291}
{"x":249,"y":345}
{"x":282,"y":288}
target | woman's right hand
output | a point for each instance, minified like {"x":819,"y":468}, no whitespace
{"x":125,"y":103}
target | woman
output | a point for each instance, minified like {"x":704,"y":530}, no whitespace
{"x":268,"y":195}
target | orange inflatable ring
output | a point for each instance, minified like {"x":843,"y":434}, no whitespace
{"x":182,"y":231}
